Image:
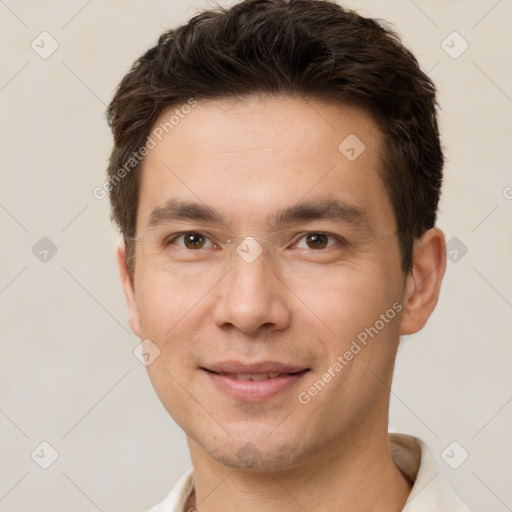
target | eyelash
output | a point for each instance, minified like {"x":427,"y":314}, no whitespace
{"x":340,"y":240}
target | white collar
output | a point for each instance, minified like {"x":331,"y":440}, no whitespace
{"x":431,"y":492}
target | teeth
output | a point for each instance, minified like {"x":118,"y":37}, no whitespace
{"x":254,"y":376}
{"x":241,"y":376}
{"x":260,"y":376}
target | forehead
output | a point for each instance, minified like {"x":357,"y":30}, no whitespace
{"x":247,"y":158}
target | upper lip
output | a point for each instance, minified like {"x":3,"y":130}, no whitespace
{"x":253,"y":368}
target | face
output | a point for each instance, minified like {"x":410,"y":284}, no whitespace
{"x":268,"y":360}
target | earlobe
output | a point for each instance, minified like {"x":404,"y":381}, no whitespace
{"x":128,"y":288}
{"x":424,"y":281}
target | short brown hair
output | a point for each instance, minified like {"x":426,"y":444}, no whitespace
{"x":314,"y":48}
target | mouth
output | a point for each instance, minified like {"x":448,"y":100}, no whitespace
{"x":255,"y":376}
{"x":253,"y":382}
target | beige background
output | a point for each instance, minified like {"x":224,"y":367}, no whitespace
{"x":68,"y":373}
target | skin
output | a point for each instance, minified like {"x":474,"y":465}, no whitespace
{"x":246,"y":158}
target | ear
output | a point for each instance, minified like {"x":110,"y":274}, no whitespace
{"x":128,"y":288}
{"x":424,"y":281}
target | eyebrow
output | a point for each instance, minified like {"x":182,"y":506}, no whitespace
{"x":335,"y":210}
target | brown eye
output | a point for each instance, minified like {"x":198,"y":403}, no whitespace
{"x":193,"y":240}
{"x":317,"y":240}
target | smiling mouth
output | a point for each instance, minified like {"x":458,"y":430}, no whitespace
{"x":255,"y":384}
{"x":257,"y":376}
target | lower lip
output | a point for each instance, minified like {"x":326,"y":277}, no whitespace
{"x":254,"y":390}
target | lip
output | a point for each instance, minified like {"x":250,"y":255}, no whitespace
{"x":246,"y":368}
{"x":253,"y":390}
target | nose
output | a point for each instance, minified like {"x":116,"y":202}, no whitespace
{"x":251,"y":295}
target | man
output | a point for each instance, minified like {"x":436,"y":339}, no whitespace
{"x":275,"y":175}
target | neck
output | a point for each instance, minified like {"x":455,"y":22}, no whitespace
{"x":358,"y":475}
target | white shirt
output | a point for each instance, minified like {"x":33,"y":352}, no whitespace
{"x":431,"y":492}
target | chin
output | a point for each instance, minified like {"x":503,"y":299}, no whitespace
{"x":256,"y":453}
{"x":250,"y":458}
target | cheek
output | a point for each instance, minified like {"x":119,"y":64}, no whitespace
{"x":352,"y":306}
{"x":362,"y":311}
{"x":170,"y":315}
{"x":351,"y":297}
{"x":162,"y":303}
